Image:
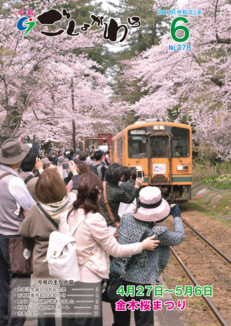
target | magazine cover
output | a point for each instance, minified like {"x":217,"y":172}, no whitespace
{"x":115,"y":173}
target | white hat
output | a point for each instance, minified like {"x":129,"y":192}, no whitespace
{"x":151,"y":207}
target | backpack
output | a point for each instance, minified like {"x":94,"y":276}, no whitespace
{"x":61,"y":255}
{"x":94,"y":168}
{"x":99,"y":170}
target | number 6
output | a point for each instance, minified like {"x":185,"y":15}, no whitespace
{"x":184,"y":28}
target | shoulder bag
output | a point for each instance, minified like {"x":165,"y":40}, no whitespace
{"x":21,"y":255}
{"x":21,"y":251}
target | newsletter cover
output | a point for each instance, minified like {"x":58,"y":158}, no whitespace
{"x":115,"y":173}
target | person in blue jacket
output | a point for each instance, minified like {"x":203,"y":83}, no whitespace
{"x":146,"y":268}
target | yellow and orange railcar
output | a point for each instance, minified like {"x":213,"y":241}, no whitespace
{"x":163,"y":150}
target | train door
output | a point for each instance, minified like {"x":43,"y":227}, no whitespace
{"x":159,"y":157}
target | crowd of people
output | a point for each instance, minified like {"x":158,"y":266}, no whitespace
{"x":113,"y":212}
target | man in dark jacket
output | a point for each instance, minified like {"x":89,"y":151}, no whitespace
{"x":56,"y":157}
{"x":29,"y":163}
{"x":97,"y":166}
{"x":128,"y":187}
{"x":116,"y":195}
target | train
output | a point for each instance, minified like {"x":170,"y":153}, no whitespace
{"x":163,"y":151}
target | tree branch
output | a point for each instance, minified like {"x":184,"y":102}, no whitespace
{"x":223,"y":41}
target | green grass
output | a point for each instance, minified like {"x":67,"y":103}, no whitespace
{"x":204,"y":169}
{"x":209,"y":214}
{"x":196,"y":207}
{"x":224,"y":202}
{"x":221,"y":221}
{"x":219,"y":181}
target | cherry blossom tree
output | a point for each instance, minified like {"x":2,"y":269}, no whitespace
{"x":196,"y":83}
{"x":47,"y":82}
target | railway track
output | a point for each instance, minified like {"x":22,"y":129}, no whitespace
{"x":197,"y":260}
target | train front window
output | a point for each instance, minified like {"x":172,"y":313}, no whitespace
{"x":180,"y":142}
{"x":159,"y":146}
{"x":137,"y":144}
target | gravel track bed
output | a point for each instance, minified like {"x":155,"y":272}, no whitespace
{"x":206,"y":266}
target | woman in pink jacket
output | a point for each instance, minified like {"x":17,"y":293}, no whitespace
{"x":93,"y":230}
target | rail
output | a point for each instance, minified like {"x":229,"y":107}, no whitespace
{"x":212,"y":307}
{"x":208,"y":242}
{"x":214,"y":310}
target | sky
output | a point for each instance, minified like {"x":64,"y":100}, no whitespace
{"x":106,"y":6}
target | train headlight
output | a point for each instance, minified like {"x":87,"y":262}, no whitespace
{"x":182,"y":167}
{"x":158,"y":127}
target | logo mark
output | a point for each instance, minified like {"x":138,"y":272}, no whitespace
{"x":21,"y":27}
{"x":26,"y":253}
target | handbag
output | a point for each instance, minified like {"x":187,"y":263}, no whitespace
{"x":21,"y":255}
{"x":109,"y":288}
{"x":111,"y":285}
{"x":21,"y":251}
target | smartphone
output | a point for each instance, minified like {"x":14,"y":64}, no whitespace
{"x":139,"y":174}
{"x":65,"y":166}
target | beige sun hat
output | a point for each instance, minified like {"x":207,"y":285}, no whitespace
{"x":45,"y":161}
{"x":13,"y":152}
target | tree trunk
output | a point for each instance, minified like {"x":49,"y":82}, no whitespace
{"x":73,"y":134}
{"x":73,"y":121}
{"x":10,"y":124}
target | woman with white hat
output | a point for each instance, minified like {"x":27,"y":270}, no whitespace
{"x":146,"y":268}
